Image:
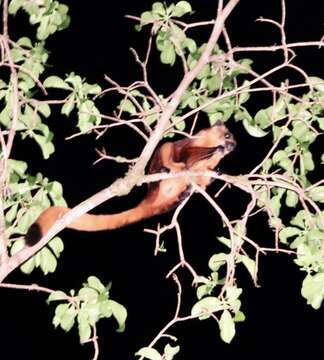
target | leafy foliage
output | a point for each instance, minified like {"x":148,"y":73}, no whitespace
{"x":80,"y":91}
{"x":86,"y":307}
{"x":281,"y":186}
{"x":49,"y":15}
{"x":152,"y":354}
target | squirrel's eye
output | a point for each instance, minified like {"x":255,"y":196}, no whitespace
{"x":227,"y":135}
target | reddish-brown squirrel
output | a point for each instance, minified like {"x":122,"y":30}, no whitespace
{"x":199,"y":153}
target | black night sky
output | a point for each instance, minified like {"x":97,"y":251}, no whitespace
{"x":278,"y":321}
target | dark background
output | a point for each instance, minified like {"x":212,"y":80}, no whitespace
{"x":278,"y":323}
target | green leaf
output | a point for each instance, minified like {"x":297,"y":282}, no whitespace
{"x":68,"y":106}
{"x":43,"y":31}
{"x":168,"y":55}
{"x":246,"y":65}
{"x":249,"y":265}
{"x":181,"y":8}
{"x":105,"y":309}
{"x":301,"y":132}
{"x":317,"y":194}
{"x":206,"y":306}
{"x":266,"y":166}
{"x":147,"y":17}
{"x":320,"y":121}
{"x":56,"y":190}
{"x":158,"y":8}
{"x":170,"y":351}
{"x":127,"y":106}
{"x":15,"y":5}
{"x":291,"y":198}
{"x":48,"y":261}
{"x":120,"y":314}
{"x":176,"y":34}
{"x":56,"y":82}
{"x":75,"y":81}
{"x":225,"y":241}
{"x":315,"y":235}
{"x":25,"y":41}
{"x":308,"y":162}
{"x":56,"y":245}
{"x":85,"y":121}
{"x":190,"y":44}
{"x":227,"y":327}
{"x":287,"y":233}
{"x":180,"y":125}
{"x":313,"y":290}
{"x":96,"y":284}
{"x":149,"y":353}
{"x":17,"y":246}
{"x":214,"y":117}
{"x":253,"y":130}
{"x":233,"y":293}
{"x":214,"y":82}
{"x":88,"y":294}
{"x":44,"y":109}
{"x":275,"y":205}
{"x":84,"y":331}
{"x":3,"y":85}
{"x":189,"y":100}
{"x":243,"y":97}
{"x":239,"y":317}
{"x":56,"y":296}
{"x":204,"y":72}
{"x":316,"y":82}
{"x":262,"y":118}
{"x":151,"y":118}
{"x":281,"y":157}
{"x":300,"y":219}
{"x":203,"y":290}
{"x":59,"y":312}
{"x":217,"y":260}
{"x":11,"y":213}
{"x":92,"y":312}
{"x":67,"y":318}
{"x":24,"y":222}
{"x":92,"y":89}
{"x":5,"y":116}
{"x":18,"y":166}
{"x":46,"y":146}
{"x":28,"y":266}
{"x":162,"y":40}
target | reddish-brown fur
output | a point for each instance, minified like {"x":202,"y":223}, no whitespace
{"x":200,"y":153}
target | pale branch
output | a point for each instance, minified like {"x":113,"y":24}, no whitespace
{"x":174,"y":224}
{"x":119,"y":159}
{"x":94,"y":341}
{"x":32,"y":287}
{"x":273,"y":48}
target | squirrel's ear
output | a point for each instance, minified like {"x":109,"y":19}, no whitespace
{"x":219,"y":123}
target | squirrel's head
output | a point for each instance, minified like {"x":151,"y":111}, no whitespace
{"x":217,"y":136}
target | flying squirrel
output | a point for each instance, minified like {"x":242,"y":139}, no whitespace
{"x":199,"y":153}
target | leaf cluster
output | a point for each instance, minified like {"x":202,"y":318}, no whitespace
{"x":223,"y":90}
{"x":86,"y":307}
